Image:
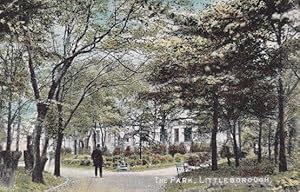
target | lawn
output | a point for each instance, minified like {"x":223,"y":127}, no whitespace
{"x":24,"y":184}
{"x":110,"y":163}
{"x":152,"y":158}
{"x":288,"y":181}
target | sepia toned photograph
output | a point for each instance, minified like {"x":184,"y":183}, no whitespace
{"x":149,"y":95}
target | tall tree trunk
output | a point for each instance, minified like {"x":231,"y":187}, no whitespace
{"x":103,"y":135}
{"x":95,"y":135}
{"x":9,"y":124}
{"x":276,"y":141}
{"x":44,"y":157}
{"x":87,"y":141}
{"x":269,"y":141}
{"x":282,"y":133}
{"x":163,"y":129}
{"x":60,"y":136}
{"x":75,"y":147}
{"x":259,"y":140}
{"x":18,"y":128}
{"x":235,"y":146}
{"x":94,"y":139}
{"x":140,"y":146}
{"x":214,"y":153}
{"x":28,"y":154}
{"x":81,"y":144}
{"x":240,"y":137}
{"x":37,"y":173}
{"x":292,"y":135}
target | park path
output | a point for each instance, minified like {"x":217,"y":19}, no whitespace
{"x":83,"y":180}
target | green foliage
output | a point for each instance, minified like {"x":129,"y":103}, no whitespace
{"x":84,"y":151}
{"x":24,"y":184}
{"x":66,"y":150}
{"x":158,"y":149}
{"x":179,"y":158}
{"x":128,"y":151}
{"x":250,"y":167}
{"x":117,"y":151}
{"x":175,"y":148}
{"x":79,"y":160}
{"x":225,"y":152}
{"x":197,"y":147}
{"x":193,"y":160}
{"x":198,"y":158}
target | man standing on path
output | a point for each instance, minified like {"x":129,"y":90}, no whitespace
{"x":97,"y":160}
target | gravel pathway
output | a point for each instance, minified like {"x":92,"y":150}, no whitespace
{"x":82,"y":180}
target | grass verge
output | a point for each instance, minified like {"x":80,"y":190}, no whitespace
{"x":287,"y":181}
{"x":24,"y":184}
{"x":132,"y":169}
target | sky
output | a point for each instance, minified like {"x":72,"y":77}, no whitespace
{"x":200,"y":4}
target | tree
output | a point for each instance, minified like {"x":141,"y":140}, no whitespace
{"x":81,"y":33}
{"x":264,"y":21}
{"x":192,"y":76}
{"x":13,"y":86}
{"x":15,"y":13}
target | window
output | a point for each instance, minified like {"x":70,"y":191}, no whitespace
{"x":187,"y":134}
{"x":176,"y":135}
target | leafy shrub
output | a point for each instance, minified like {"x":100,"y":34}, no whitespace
{"x":116,"y":158}
{"x":85,"y":162}
{"x":128,"y":151}
{"x":117,"y":151}
{"x":83,"y":151}
{"x":155,"y":161}
{"x":169,"y":158}
{"x":196,"y":147}
{"x":108,"y":159}
{"x":71,"y":161}
{"x":66,"y":150}
{"x":85,"y":157}
{"x":142,"y":162}
{"x":159,"y":149}
{"x":163,"y":159}
{"x":250,"y":167}
{"x":181,"y":148}
{"x":203,"y":157}
{"x":225,"y":152}
{"x":147,"y":158}
{"x":193,"y":160}
{"x":132,"y":163}
{"x":179,"y":157}
{"x":115,"y":164}
{"x":108,"y":164}
{"x":146,"y":151}
{"x":105,"y":151}
{"x":173,"y":149}
{"x":135,"y":157}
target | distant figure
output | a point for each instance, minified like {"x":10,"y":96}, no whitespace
{"x":97,"y":160}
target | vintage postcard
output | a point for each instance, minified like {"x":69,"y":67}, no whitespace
{"x":149,"y":95}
